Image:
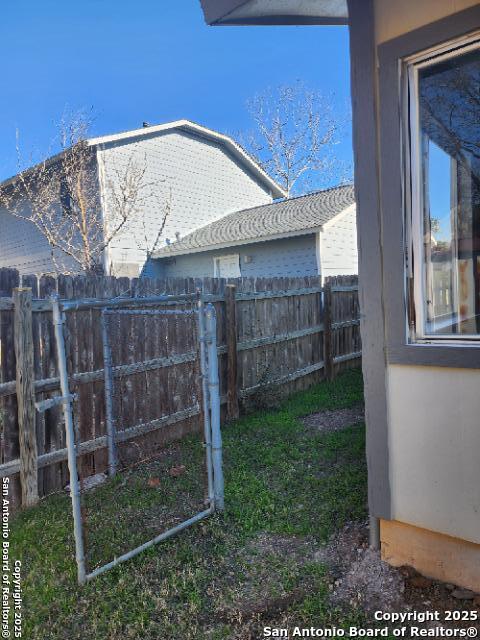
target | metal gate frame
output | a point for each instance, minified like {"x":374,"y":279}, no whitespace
{"x":207,"y":333}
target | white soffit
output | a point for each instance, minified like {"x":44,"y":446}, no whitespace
{"x":312,"y":10}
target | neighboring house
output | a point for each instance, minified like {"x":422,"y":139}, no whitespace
{"x":198,"y":173}
{"x":415,"y":69}
{"x":315,"y":234}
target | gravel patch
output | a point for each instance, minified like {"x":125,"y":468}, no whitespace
{"x":359,"y":578}
{"x":370,"y":584}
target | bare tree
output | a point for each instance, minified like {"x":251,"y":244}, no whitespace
{"x":60,"y":196}
{"x":296,"y":131}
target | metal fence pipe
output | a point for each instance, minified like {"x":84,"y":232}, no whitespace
{"x":150,"y":543}
{"x":205,"y":397}
{"x":213,"y":385}
{"x":58,"y":322}
{"x":108,"y":390}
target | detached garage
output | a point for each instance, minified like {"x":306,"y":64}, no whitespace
{"x":315,"y":234}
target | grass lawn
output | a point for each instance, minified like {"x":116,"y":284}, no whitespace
{"x":287,"y":490}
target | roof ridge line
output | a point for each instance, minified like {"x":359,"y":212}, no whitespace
{"x":262,"y":206}
{"x":280,"y":201}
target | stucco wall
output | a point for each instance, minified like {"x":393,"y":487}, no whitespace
{"x":204,"y":180}
{"x":433,"y":413}
{"x":434,"y":442}
{"x":395,"y":17}
{"x":288,"y":257}
{"x":338,"y":245}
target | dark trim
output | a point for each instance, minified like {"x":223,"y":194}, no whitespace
{"x":279,"y":20}
{"x":214,"y":10}
{"x":362,"y":55}
{"x":392,"y":189}
{"x":217,"y":11}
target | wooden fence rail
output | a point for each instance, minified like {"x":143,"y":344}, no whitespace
{"x":273,"y":333}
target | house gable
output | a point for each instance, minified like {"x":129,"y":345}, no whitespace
{"x":195,"y":179}
{"x":195,"y":174}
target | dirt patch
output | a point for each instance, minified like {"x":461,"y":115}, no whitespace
{"x":327,"y":421}
{"x":359,"y":579}
{"x":297,"y":549}
{"x":258,"y":581}
{"x":266,"y":577}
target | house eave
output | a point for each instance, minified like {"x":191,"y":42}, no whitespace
{"x":235,"y":243}
{"x":282,"y":12}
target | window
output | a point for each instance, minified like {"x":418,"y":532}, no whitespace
{"x":65,"y":198}
{"x":227,"y":266}
{"x":443,"y":110}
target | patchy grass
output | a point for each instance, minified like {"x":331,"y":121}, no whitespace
{"x":287,"y":491}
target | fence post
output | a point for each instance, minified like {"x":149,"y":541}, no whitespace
{"x":22,"y":298}
{"x":231,"y":322}
{"x":327,"y":332}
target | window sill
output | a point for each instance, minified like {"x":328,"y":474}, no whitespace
{"x":447,"y":342}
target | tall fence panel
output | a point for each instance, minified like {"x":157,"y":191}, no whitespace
{"x":280,"y":335}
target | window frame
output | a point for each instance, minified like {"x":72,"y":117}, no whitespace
{"x":414,"y":173}
{"x":394,"y":205}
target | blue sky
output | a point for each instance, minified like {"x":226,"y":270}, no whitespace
{"x":149,"y":60}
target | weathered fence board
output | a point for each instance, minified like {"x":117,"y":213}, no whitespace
{"x":9,"y":279}
{"x":273,"y":333}
{"x":22,"y":298}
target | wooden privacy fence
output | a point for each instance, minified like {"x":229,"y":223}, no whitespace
{"x":273,"y":333}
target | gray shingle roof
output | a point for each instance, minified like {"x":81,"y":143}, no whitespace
{"x":284,"y":217}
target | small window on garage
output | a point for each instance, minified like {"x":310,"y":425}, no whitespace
{"x":444,"y":138}
{"x":227,"y":266}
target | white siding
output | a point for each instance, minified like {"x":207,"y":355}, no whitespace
{"x":338,"y":245}
{"x":204,"y":180}
{"x":24,"y":248}
{"x":289,"y":257}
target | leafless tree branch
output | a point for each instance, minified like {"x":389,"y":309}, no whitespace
{"x":60,"y":196}
{"x":296,"y":130}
